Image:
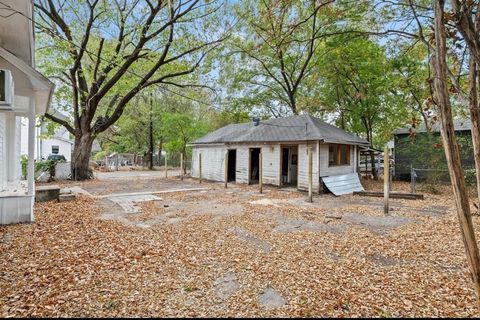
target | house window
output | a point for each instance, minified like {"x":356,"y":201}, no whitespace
{"x":338,"y":155}
{"x":3,"y":93}
{"x":55,"y":149}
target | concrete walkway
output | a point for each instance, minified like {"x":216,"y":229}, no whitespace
{"x":135,"y":174}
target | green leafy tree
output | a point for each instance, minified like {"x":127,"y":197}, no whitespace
{"x":104,"y":53}
{"x":356,"y":86}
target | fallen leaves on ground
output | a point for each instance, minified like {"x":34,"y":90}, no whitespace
{"x":71,"y":263}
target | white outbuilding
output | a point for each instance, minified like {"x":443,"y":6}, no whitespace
{"x":24,"y":93}
{"x":284,"y":145}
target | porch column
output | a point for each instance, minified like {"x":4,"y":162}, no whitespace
{"x":355,"y":159}
{"x":11,"y":143}
{"x":31,"y":147}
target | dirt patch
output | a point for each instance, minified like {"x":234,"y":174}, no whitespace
{"x":253,"y":241}
{"x":226,"y":285}
{"x":271,"y":299}
{"x":294,"y":225}
{"x":378,"y":224}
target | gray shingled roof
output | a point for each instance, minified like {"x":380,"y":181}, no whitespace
{"x":458,"y":125}
{"x":293,"y":128}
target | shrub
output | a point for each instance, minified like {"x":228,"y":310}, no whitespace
{"x":24,"y":163}
{"x":47,"y":166}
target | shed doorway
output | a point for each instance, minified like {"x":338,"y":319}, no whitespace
{"x":232,"y":166}
{"x":254,"y":165}
{"x":289,"y":166}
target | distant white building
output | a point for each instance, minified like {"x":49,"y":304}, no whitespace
{"x":60,"y":143}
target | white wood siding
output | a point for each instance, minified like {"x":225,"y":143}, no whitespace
{"x":271,"y":164}
{"x":3,"y":153}
{"x":243,"y":160}
{"x":16,"y":209}
{"x":18,"y":145}
{"x":212,"y":162}
{"x":326,"y":170}
{"x":303,"y":167}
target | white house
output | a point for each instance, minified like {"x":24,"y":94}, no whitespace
{"x":283,"y":143}
{"x":59,"y":143}
{"x":31,"y":94}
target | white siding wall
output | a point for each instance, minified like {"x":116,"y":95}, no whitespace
{"x":17,"y":175}
{"x":303,"y":167}
{"x":64,"y":148}
{"x":271,"y":164}
{"x":3,"y":153}
{"x":212,"y":162}
{"x":326,"y":170}
{"x":15,"y":209}
{"x":43,"y":147}
{"x":243,"y":158}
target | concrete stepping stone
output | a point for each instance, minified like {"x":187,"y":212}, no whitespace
{"x":47,"y":193}
{"x":128,"y":202}
{"x":293,"y":225}
{"x":377,"y":223}
{"x":265,"y":202}
{"x":383,"y":260}
{"x":64,"y":197}
{"x":252,"y":240}
{"x":271,"y":299}
{"x":226,"y":285}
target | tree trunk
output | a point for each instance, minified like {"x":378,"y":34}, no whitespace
{"x":81,"y":157}
{"x":160,"y":148}
{"x":475,"y":117}
{"x":184,"y":152}
{"x":293,"y":103}
{"x":452,"y":151}
{"x":150,"y":146}
{"x":374,"y":168}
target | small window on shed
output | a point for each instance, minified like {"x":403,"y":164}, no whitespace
{"x":332,"y":154}
{"x":55,"y":149}
{"x":338,"y":155}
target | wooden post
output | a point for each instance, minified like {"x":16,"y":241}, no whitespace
{"x":200,"y":167}
{"x":386,"y":180}
{"x":390,"y":173}
{"x":310,"y":179}
{"x":451,"y":147}
{"x":166,"y":170}
{"x":225,"y":167}
{"x":355,"y":159}
{"x":181,"y":166}
{"x":31,"y":151}
{"x":260,"y":171}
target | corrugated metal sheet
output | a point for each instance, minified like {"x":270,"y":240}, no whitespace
{"x":288,"y":129}
{"x":343,"y":184}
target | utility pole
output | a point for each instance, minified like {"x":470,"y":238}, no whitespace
{"x":310,"y":173}
{"x":225,"y":169}
{"x":260,"y":172}
{"x":386,"y":180}
{"x":150,"y":149}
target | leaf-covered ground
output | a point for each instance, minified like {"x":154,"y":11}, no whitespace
{"x":326,"y":259}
